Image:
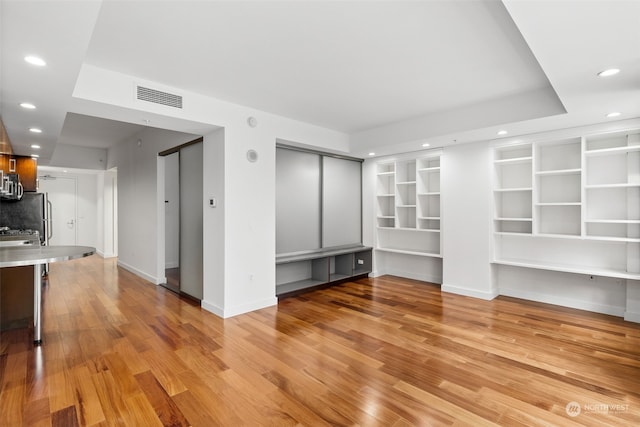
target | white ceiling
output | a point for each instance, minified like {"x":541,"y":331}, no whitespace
{"x":389,"y":73}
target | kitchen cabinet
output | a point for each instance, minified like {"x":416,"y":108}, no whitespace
{"x":26,"y":167}
{"x":16,"y":297}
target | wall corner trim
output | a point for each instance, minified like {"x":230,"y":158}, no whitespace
{"x":470,"y":292}
{"x":140,"y":273}
{"x":240,"y":309}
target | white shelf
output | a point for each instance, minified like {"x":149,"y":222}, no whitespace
{"x":385,"y":217}
{"x":406,"y":183}
{"x":539,"y":235}
{"x":433,"y":169}
{"x":430,"y":217}
{"x":512,"y":190}
{"x":614,"y":150}
{"x":614,"y":239}
{"x":625,"y":185}
{"x":512,"y":233}
{"x":385,"y":195}
{"x":405,"y":206}
{"x":612,"y":221}
{"x":406,"y":252}
{"x":569,"y":269}
{"x":386,"y":173}
{"x":559,"y":172}
{"x":513,"y":161}
{"x":431,"y":193}
{"x":559,"y":204}
{"x":514,"y":219}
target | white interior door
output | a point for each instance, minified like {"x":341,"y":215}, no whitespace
{"x":62,"y":195}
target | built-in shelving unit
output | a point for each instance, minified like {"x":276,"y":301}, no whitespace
{"x":302,"y":272}
{"x":513,"y":189}
{"x":408,"y":206}
{"x":570,"y":205}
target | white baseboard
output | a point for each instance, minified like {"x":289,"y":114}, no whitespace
{"x":566,"y":302}
{"x":241,"y":309}
{"x":413,"y":275}
{"x":140,"y":273}
{"x":459,"y":290}
{"x":105,"y":255}
{"x":632,"y":317}
{"x":212,"y":308}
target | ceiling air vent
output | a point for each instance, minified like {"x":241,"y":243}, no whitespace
{"x":158,"y":97}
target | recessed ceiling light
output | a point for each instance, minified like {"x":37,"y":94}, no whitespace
{"x":35,"y":130}
{"x":613,"y":114}
{"x":34,"y":60}
{"x":35,"y":146}
{"x":426,"y":144}
{"x":372,"y":154}
{"x":502,"y":132}
{"x":609,"y":72}
{"x":28,"y":106}
{"x":35,"y":156}
{"x":65,"y":171}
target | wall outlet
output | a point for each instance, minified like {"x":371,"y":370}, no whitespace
{"x":360,"y":262}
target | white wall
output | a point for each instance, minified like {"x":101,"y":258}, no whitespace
{"x":73,"y":156}
{"x":95,"y":195}
{"x":239,"y":247}
{"x":138,"y":201}
{"x":467,"y":214}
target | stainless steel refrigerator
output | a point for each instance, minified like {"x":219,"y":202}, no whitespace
{"x":32,"y":212}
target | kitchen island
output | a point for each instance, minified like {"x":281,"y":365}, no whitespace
{"x":37,"y":256}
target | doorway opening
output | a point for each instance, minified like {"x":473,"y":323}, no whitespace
{"x":183,"y":248}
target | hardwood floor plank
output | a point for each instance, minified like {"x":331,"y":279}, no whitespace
{"x":107,"y":390}
{"x":88,"y":407}
{"x":167,"y":411}
{"x":66,"y":417}
{"x":37,"y":413}
{"x":119,"y":351}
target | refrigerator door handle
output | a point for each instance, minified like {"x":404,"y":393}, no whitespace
{"x":49,"y":219}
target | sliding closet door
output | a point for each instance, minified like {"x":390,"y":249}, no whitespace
{"x":191,"y":207}
{"x":298,"y":201}
{"x":341,"y":202}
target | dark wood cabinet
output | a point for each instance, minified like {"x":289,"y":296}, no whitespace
{"x":25,"y":166}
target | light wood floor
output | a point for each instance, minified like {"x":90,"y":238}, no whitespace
{"x":389,"y":352}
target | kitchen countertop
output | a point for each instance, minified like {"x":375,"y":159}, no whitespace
{"x":15,"y":256}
